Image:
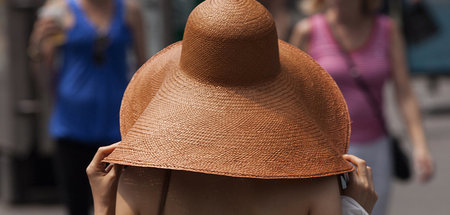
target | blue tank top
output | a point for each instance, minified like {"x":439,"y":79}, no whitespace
{"x":92,"y":79}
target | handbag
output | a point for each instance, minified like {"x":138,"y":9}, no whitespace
{"x":401,"y":164}
{"x":400,"y":160}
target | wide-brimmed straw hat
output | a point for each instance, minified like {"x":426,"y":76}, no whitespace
{"x":231,"y":99}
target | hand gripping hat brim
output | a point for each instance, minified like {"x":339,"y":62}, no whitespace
{"x":290,"y":121}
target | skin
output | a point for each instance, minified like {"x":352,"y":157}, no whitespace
{"x":194,"y":193}
{"x":100,"y":13}
{"x":103,"y":180}
{"x":360,"y":186}
{"x":352,"y":28}
{"x":139,"y":191}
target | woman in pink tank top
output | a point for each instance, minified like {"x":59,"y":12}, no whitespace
{"x":350,"y":32}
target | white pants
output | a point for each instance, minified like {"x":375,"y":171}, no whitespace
{"x":377,"y":154}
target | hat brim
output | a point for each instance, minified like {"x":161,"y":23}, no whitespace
{"x":295,"y":126}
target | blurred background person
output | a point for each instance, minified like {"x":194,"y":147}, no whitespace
{"x":284,"y":14}
{"x":82,"y":45}
{"x":348,"y":35}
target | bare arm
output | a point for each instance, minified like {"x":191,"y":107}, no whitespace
{"x":409,"y":107}
{"x":119,"y":190}
{"x":300,"y":35}
{"x":103,"y":181}
{"x":135,"y":22}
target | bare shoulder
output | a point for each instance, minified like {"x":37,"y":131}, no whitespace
{"x":325,"y":190}
{"x":394,"y":34}
{"x":301,"y":33}
{"x":139,"y":190}
{"x":390,"y":25}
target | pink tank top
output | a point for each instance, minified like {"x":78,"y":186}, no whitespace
{"x":372,"y":60}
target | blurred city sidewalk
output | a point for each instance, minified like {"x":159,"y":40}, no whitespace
{"x":410,"y":198}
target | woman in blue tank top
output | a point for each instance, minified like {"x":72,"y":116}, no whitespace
{"x":90,"y":80}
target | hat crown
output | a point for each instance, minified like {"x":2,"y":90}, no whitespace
{"x":230,"y":42}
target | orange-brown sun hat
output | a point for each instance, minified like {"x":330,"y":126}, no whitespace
{"x":231,"y":99}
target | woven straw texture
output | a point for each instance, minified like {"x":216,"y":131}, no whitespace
{"x":233,"y":100}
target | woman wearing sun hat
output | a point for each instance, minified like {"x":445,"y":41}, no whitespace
{"x":358,"y":199}
{"x":231,"y":121}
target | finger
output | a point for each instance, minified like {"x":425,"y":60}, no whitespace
{"x":45,"y":28}
{"x":102,"y":152}
{"x":47,"y":21}
{"x":46,"y":24}
{"x":370,"y":176}
{"x":352,"y":174}
{"x":109,"y":167}
{"x":359,"y":163}
{"x":420,"y":168}
{"x":352,"y":179}
{"x":352,"y":159}
{"x":50,"y":29}
{"x":41,"y":22}
{"x":426,"y":171}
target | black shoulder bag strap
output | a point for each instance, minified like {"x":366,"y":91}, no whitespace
{"x":362,"y":84}
{"x":401,"y":166}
